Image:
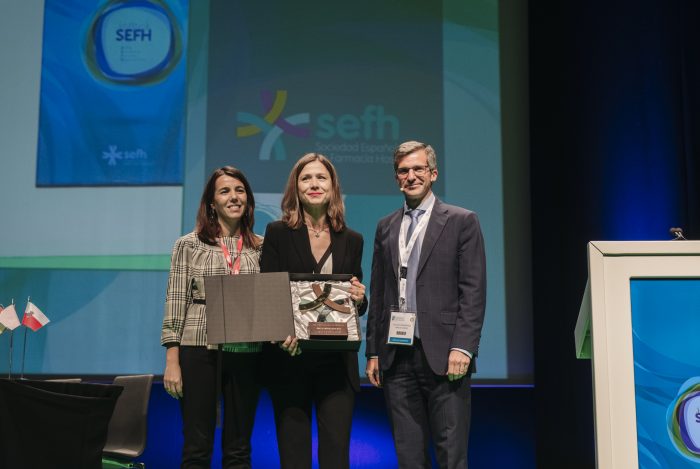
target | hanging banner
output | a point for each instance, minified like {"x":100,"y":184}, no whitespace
{"x":112,"y":104}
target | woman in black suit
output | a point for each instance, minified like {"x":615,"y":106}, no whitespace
{"x":312,"y":238}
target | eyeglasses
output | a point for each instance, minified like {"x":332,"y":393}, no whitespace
{"x":419,"y":171}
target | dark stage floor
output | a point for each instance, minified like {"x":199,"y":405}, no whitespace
{"x":502,"y":436}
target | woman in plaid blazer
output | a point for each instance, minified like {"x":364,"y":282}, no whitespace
{"x":223,"y":243}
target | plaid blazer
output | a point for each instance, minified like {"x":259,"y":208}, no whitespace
{"x":184,"y":321}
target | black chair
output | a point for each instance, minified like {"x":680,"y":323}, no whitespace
{"x":126,"y":437}
{"x":54,"y":424}
{"x":65,"y":380}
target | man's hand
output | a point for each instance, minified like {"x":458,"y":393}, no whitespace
{"x":372,"y":372}
{"x":457,"y":365}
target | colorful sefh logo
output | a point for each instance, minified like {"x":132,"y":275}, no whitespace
{"x":371,"y":125}
{"x":273,"y":125}
{"x":683,"y":420}
{"x":133,"y":42}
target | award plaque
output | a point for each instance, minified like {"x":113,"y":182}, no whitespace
{"x":315,"y":308}
{"x":325,"y":316}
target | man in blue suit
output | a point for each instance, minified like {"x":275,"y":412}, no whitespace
{"x":426,"y":311}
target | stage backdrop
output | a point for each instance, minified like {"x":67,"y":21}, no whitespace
{"x":263,"y":86}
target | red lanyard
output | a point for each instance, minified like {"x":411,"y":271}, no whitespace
{"x":234,"y":267}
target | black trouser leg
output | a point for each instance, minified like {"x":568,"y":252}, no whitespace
{"x":241,"y":388}
{"x":334,"y":399}
{"x":198,"y":405}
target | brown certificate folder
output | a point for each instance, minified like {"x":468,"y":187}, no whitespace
{"x":248,"y":308}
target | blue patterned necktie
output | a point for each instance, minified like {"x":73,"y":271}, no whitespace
{"x":413,"y":259}
{"x":415,"y":215}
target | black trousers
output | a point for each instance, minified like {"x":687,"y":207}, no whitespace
{"x":422,"y":405}
{"x":240,"y":388}
{"x":312,"y":378}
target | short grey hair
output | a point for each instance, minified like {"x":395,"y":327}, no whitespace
{"x":406,"y":148}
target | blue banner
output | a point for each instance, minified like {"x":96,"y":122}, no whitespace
{"x":112,"y":105}
{"x":665,"y":327}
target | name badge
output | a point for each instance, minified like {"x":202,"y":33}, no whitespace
{"x":401,"y":327}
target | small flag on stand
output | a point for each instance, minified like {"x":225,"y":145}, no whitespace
{"x":34,"y":318}
{"x":8,"y":319}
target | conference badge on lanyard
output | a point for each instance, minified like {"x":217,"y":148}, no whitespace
{"x":401,"y":326}
{"x":404,"y":253}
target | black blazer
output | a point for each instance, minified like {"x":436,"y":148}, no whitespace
{"x":289,"y":250}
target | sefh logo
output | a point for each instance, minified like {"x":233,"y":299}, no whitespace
{"x":133,"y":42}
{"x":683,"y":420}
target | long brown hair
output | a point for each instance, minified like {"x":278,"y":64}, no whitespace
{"x":292,"y":211}
{"x":207,"y":226}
